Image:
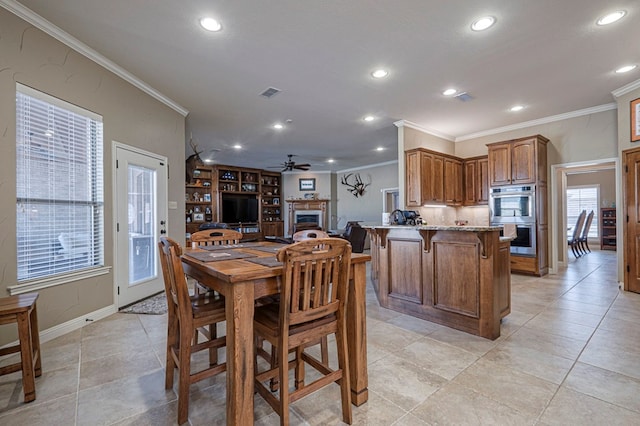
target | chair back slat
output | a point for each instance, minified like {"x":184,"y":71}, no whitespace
{"x":315,"y":278}
{"x":170,"y":252}
{"x":216,"y":237}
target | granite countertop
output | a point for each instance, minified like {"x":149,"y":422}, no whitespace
{"x":465,"y":228}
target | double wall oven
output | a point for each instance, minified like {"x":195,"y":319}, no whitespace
{"x":516,"y":205}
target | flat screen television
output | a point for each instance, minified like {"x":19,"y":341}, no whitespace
{"x":238,"y":208}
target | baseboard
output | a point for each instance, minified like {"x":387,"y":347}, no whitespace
{"x":77,"y":323}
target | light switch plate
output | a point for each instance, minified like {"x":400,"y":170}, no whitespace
{"x":173,"y":205}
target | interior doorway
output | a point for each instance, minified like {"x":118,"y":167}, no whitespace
{"x":559,"y":177}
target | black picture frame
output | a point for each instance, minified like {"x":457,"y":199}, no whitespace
{"x":307,"y":184}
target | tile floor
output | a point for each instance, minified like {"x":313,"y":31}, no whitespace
{"x":568,"y":354}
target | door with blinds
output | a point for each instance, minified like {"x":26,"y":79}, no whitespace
{"x":141,"y":218}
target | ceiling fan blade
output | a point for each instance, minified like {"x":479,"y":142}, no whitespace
{"x":302,"y":166}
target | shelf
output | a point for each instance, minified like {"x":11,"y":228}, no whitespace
{"x":608,"y":228}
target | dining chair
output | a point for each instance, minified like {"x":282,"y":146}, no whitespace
{"x":188,"y":315}
{"x":21,"y":310}
{"x":312,"y":305}
{"x":216,"y":237}
{"x":574,"y":239}
{"x":308,"y":234}
{"x":584,"y":241}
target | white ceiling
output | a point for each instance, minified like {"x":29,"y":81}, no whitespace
{"x":545,"y":54}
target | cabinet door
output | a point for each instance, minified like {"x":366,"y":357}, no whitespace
{"x":437,"y":180}
{"x":482,"y":181}
{"x":500,"y":164}
{"x":413,"y":178}
{"x":523,"y":162}
{"x":452,"y":181}
{"x":471,"y":174}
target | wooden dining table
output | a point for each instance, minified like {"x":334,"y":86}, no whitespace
{"x":248,"y":271}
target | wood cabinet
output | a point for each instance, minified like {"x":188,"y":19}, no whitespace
{"x":608,"y":229}
{"x":452,"y":182}
{"x":198,"y":198}
{"x":424,"y":178}
{"x":475,"y":181}
{"x":259,"y":190}
{"x":524,"y":161}
{"x":518,"y":161}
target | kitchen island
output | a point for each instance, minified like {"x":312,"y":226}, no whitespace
{"x":457,"y":276}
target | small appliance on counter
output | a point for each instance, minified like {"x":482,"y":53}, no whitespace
{"x":405,"y":217}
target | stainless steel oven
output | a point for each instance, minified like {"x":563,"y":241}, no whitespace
{"x":524,"y":243}
{"x":513,"y":202}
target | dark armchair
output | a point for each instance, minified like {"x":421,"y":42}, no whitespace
{"x":356,"y":235}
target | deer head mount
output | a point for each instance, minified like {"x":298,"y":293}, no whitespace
{"x":357,"y":187}
{"x":193,"y":161}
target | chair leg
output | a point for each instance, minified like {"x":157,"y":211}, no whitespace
{"x":586,"y":243}
{"x":184,"y":371}
{"x":172,"y":340}
{"x":345,"y":385}
{"x":35,"y":341}
{"x":324,"y":351}
{"x":283,"y":362}
{"x":213,"y":352}
{"x":26,"y":354}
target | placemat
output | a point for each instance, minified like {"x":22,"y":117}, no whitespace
{"x":228,"y":246}
{"x":212,"y":257}
{"x":270,"y":248}
{"x":266,"y":261}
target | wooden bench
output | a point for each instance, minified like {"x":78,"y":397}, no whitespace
{"x":21,"y":309}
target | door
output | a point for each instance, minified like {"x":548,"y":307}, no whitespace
{"x":632,"y":222}
{"x":140,"y":195}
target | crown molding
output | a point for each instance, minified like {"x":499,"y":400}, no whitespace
{"x":540,"y":121}
{"x":626,"y":89}
{"x":411,"y":125}
{"x":39,"y":22}
{"x":370,"y":166}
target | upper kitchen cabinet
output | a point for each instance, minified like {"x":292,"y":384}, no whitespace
{"x":452,"y":182}
{"x":518,"y":161}
{"x":424,"y":178}
{"x":476,"y":181}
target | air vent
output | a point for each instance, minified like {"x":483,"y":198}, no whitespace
{"x":464,"y":97}
{"x":270,"y":92}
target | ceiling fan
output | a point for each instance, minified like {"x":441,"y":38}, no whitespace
{"x":290,"y":165}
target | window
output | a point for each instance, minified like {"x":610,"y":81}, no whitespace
{"x":583,"y":198}
{"x":59,"y":187}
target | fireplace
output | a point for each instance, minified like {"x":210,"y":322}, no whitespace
{"x":307,"y":212}
{"x":309,"y":216}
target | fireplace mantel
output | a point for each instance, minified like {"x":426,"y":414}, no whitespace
{"x":313,"y":205}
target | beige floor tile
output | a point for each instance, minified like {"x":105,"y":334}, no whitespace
{"x":122,"y":399}
{"x":561,"y":328}
{"x":458,"y":405}
{"x":522,"y":392}
{"x":475,"y":344}
{"x":530,"y":361}
{"x":402,"y":382}
{"x":606,"y":385}
{"x":162,"y":415}
{"x":570,"y":407}
{"x":115,"y":367}
{"x":542,"y":341}
{"x":59,"y":411}
{"x":388,"y":336}
{"x":416,"y":325}
{"x":439,"y":358}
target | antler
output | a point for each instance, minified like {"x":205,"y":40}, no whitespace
{"x":357,"y":188}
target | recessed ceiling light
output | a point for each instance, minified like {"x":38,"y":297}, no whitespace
{"x":483,"y":23}
{"x":380,"y":148}
{"x":278,"y":126}
{"x":330,"y":160}
{"x":208,"y":160}
{"x":237,"y":146}
{"x":369,"y":118}
{"x":380,"y":73}
{"x":450,"y":92}
{"x":626,"y":68}
{"x":516,"y":108}
{"x":611,"y":17}
{"x":210,"y":24}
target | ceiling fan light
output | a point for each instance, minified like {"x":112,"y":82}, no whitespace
{"x":278,"y":126}
{"x":450,"y":92}
{"x":380,"y":73}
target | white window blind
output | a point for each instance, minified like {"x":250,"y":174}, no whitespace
{"x":59,"y":186}
{"x":583,"y":198}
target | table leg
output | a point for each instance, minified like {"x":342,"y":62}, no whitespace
{"x":239,"y":312}
{"x":357,"y":334}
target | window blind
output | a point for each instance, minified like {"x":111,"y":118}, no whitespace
{"x":583,"y":198}
{"x":59,"y":186}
